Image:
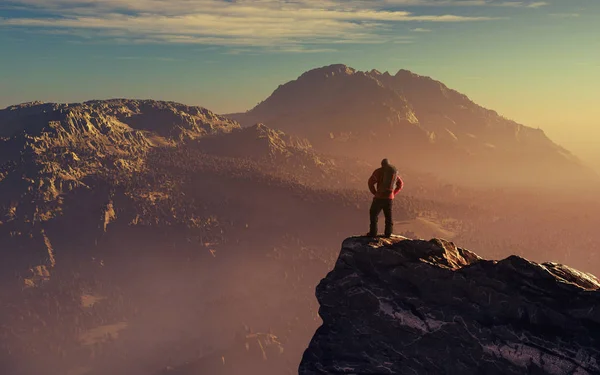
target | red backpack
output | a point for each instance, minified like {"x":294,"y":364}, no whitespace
{"x":388,"y":181}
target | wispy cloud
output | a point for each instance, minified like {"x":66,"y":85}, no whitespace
{"x":564,"y":15}
{"x":472,"y":3}
{"x":290,"y":26}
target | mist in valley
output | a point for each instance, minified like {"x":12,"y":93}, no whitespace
{"x":147,"y":237}
{"x":208,"y":263}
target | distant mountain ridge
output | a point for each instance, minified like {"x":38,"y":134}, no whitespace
{"x":170,"y":119}
{"x":414,"y":119}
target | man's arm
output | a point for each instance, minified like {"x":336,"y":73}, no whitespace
{"x":399,"y":185}
{"x":372,"y":182}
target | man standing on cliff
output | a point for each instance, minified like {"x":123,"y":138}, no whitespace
{"x":388,"y":185}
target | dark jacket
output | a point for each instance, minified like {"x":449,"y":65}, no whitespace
{"x":381,"y":191}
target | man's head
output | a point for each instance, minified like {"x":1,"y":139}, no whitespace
{"x":385,"y":163}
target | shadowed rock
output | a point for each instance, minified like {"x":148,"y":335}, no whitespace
{"x":399,"y":306}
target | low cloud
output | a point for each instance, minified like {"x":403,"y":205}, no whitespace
{"x":306,"y":26}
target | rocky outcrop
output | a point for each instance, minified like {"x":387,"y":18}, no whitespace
{"x":398,"y":306}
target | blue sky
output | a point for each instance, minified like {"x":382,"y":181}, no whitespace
{"x":537,"y":62}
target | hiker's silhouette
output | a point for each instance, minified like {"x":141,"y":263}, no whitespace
{"x":384,"y":183}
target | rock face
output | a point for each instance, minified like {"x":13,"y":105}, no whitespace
{"x":410,"y":117}
{"x":397,"y":306}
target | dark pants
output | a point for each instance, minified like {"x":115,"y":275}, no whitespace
{"x":376,"y":207}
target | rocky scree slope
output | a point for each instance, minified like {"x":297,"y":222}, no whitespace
{"x":397,"y":306}
{"x":344,"y":111}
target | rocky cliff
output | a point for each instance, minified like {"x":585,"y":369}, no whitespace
{"x":402,"y":306}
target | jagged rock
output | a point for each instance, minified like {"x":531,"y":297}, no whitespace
{"x":399,"y":306}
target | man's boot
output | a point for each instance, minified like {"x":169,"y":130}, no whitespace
{"x":389,"y":229}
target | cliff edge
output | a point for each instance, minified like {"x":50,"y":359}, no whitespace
{"x":399,"y":306}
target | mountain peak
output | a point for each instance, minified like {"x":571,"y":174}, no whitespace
{"x":330,"y":71}
{"x":404,"y":72}
{"x":34,"y":103}
{"x":398,"y":303}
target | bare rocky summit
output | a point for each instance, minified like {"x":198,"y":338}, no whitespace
{"x":398,"y":306}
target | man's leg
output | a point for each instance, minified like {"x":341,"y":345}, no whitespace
{"x":374,"y":213}
{"x":387,"y":212}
